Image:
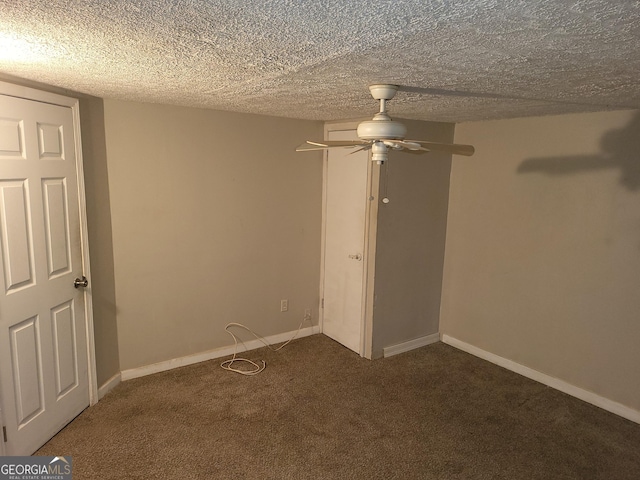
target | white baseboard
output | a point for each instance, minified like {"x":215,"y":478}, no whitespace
{"x":410,"y":345}
{"x":109,"y":385}
{"x":585,"y":395}
{"x":215,"y":353}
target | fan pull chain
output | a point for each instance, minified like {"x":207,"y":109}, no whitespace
{"x":385,"y":199}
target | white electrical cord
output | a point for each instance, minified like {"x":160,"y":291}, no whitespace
{"x":256,"y":369}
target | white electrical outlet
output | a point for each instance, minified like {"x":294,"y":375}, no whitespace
{"x":284,"y":305}
{"x":307,"y":314}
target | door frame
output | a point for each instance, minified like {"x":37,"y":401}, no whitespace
{"x":27,"y":93}
{"x":369,"y":247}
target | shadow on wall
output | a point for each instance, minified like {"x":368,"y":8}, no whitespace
{"x":620,"y":149}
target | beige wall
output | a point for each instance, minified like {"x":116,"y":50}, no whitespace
{"x":100,"y":239}
{"x":98,"y":224}
{"x":411,"y":239}
{"x":215,"y":219}
{"x":543,"y":248}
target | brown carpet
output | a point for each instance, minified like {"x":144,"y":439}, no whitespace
{"x":320,"y":412}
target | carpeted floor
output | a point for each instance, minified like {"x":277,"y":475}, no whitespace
{"x":321,"y":412}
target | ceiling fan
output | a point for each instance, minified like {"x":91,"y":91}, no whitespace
{"x":382,"y":134}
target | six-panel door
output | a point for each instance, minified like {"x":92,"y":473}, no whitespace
{"x":43,"y":349}
{"x":345,"y":222}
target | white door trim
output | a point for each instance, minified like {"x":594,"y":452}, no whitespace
{"x":371,"y":224}
{"x":371,"y":234}
{"x":27,"y":93}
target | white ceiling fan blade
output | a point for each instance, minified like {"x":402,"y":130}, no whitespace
{"x":310,"y":146}
{"x":453,"y":148}
{"x":364,"y":147}
{"x":338,"y":143}
{"x":405,"y":145}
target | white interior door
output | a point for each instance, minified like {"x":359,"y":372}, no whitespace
{"x":43,"y":343}
{"x":344,"y":246}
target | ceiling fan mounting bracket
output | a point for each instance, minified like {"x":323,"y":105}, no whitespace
{"x":383,"y":91}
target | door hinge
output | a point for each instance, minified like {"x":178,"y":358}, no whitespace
{"x":4,"y":434}
{"x":322,"y":303}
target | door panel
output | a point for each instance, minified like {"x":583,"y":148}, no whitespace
{"x":50,"y":141}
{"x":27,"y":375}
{"x":16,"y":235}
{"x":11,"y":139}
{"x":43,"y":350}
{"x":56,"y":223}
{"x":345,"y":214}
{"x":65,"y":359}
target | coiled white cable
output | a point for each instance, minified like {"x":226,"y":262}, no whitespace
{"x":255,"y":368}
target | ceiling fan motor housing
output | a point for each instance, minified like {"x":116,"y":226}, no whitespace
{"x":382,"y":129}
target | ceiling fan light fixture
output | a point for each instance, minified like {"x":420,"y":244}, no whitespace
{"x":379,"y":152}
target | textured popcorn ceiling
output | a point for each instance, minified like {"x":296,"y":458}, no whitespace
{"x":314,"y":59}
